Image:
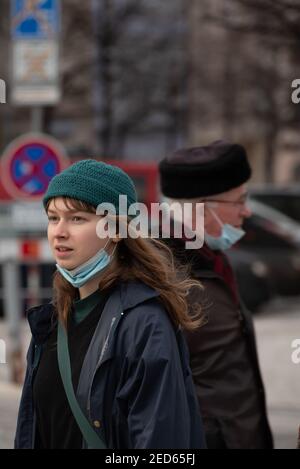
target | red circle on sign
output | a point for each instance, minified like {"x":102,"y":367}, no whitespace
{"x":29,"y":163}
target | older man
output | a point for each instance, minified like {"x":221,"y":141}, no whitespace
{"x":223,"y":352}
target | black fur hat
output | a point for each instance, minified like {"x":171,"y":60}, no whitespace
{"x":204,"y":171}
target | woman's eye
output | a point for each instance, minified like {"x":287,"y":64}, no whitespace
{"x":52,"y":219}
{"x":77,"y":219}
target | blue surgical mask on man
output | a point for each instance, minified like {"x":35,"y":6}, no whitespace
{"x":228,"y":238}
{"x":85,"y":272}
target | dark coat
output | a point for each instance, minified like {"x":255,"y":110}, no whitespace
{"x":224,"y":360}
{"x":135,"y":379}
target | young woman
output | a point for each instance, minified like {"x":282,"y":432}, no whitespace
{"x":107,"y":364}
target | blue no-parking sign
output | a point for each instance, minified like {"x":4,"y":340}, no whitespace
{"x":35,"y":19}
{"x":28,"y":165}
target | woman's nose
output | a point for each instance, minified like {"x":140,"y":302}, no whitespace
{"x":61,"y":230}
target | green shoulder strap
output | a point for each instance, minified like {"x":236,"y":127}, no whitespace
{"x":92,"y":439}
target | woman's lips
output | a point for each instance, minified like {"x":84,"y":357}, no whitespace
{"x":63,"y":254}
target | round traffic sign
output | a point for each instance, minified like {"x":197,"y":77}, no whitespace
{"x":29,"y":163}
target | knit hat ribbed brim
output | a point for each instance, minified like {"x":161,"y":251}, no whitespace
{"x":93,"y":182}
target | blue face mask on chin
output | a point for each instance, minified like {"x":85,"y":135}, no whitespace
{"x":228,"y":238}
{"x":87,"y":271}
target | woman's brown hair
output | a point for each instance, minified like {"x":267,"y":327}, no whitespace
{"x":147,"y":260}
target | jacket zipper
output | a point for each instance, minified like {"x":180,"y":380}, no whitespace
{"x":36,"y":360}
{"x":98,"y":366}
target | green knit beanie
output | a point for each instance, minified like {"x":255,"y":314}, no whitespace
{"x":93,"y":182}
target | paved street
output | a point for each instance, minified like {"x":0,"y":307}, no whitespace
{"x":276,"y":328}
{"x":9,"y":396}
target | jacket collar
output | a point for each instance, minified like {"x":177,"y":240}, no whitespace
{"x":200,"y":260}
{"x":42,"y":319}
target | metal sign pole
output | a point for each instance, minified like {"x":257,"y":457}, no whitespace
{"x":13,"y":314}
{"x":37,"y":119}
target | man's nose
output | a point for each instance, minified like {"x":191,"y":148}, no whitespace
{"x":246,"y":211}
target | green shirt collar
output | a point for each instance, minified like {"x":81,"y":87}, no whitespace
{"x":82,"y":308}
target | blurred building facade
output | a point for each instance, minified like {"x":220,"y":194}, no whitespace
{"x":243,"y":60}
{"x":140,"y":79}
{"x":122,"y":79}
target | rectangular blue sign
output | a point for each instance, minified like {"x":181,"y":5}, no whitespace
{"x":35,"y":19}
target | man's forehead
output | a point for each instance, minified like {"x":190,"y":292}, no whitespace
{"x":237,"y":192}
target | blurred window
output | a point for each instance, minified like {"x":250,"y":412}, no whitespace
{"x":263,"y":233}
{"x":288,"y":204}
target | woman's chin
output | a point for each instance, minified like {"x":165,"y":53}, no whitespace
{"x":66,"y":264}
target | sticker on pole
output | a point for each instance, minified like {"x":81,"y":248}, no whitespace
{"x":35,"y":19}
{"x":28,"y":165}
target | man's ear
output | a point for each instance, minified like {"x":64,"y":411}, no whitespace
{"x":207,"y":209}
{"x":209,"y":221}
{"x":117,"y":239}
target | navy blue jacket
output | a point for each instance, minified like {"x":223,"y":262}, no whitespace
{"x":135,"y":384}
